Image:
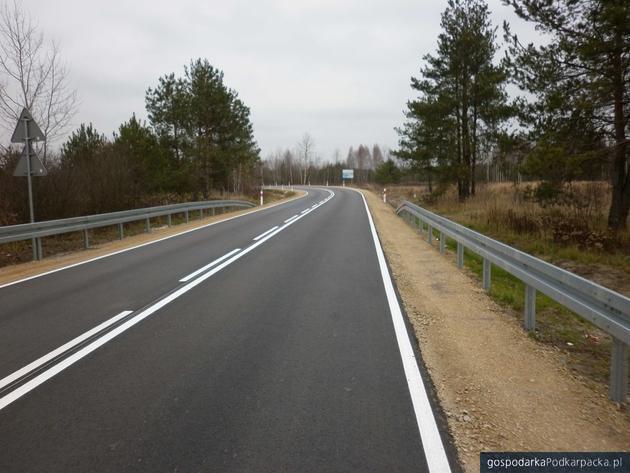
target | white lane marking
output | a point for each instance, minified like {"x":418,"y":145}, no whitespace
{"x":209,"y":265}
{"x":304,"y":211}
{"x":86,"y":350}
{"x":147,"y":243}
{"x":289,"y":219}
{"x":62,"y":349}
{"x":429,"y":433}
{"x":265,"y":233}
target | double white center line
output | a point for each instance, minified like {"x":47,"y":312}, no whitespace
{"x":61,"y":350}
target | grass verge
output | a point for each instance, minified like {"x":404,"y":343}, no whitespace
{"x":586,"y":347}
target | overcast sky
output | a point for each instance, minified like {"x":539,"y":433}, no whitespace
{"x":337,"y":69}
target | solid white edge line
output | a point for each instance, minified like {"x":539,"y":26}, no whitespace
{"x":434,"y":452}
{"x":69,"y":361}
{"x":265,"y":233}
{"x":147,"y":243}
{"x":209,"y":265}
{"x":62,"y":349}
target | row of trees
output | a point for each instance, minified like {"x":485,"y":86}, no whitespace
{"x":302,"y":165}
{"x":199,"y":141}
{"x":573,"y":121}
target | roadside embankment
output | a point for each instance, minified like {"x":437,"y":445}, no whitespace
{"x":500,"y":389}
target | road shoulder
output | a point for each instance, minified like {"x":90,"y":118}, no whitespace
{"x":500,"y":390}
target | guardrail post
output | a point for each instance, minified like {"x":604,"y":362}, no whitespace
{"x":420,"y":225}
{"x":168,"y":220}
{"x":121,"y":231}
{"x":34,"y":247}
{"x":487,"y":274}
{"x":213,"y":212}
{"x":430,"y":234}
{"x":460,"y":255}
{"x":529,"y":317}
{"x":200,"y":214}
{"x":186,"y":213}
{"x":442,"y":242}
{"x":618,"y":371}
{"x":147,"y":226}
{"x":86,"y":239}
{"x":40,"y":251}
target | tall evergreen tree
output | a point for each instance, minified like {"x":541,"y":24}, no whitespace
{"x":146,"y":160}
{"x":462,"y":99}
{"x":206,"y":125}
{"x":581,"y":83}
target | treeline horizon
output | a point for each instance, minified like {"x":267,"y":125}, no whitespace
{"x":301,"y":165}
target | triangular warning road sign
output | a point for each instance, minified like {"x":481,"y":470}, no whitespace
{"x":37,"y":167}
{"x":34,"y":133}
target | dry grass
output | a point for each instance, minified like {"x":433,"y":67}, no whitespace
{"x":570,"y":228}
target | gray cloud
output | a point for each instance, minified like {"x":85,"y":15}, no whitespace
{"x":338,"y":70}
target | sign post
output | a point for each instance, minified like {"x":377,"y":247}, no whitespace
{"x":26,"y":131}
{"x":346,"y":174}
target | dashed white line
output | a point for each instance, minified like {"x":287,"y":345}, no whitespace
{"x":209,"y":265}
{"x":113,"y":253}
{"x":266,"y":233}
{"x":289,"y":219}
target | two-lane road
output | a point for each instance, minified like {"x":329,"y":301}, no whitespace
{"x":271,"y":342}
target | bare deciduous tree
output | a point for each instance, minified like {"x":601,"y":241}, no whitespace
{"x":32,"y":76}
{"x":306,"y":149}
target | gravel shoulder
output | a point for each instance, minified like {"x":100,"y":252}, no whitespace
{"x":500,"y":390}
{"x":16,"y":272}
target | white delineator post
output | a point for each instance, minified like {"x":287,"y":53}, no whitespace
{"x":385,"y":195}
{"x":261,"y":197}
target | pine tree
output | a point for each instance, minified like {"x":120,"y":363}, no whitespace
{"x":462,"y":100}
{"x":206,"y":125}
{"x":581,"y":83}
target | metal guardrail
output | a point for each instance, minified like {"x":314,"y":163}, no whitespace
{"x":608,"y":310}
{"x":38,"y":230}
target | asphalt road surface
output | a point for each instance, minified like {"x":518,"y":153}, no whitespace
{"x":270,"y":342}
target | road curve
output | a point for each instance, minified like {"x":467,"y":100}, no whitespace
{"x":272,"y":342}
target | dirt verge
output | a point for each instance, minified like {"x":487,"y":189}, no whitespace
{"x":19,"y":271}
{"x":500,"y":390}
